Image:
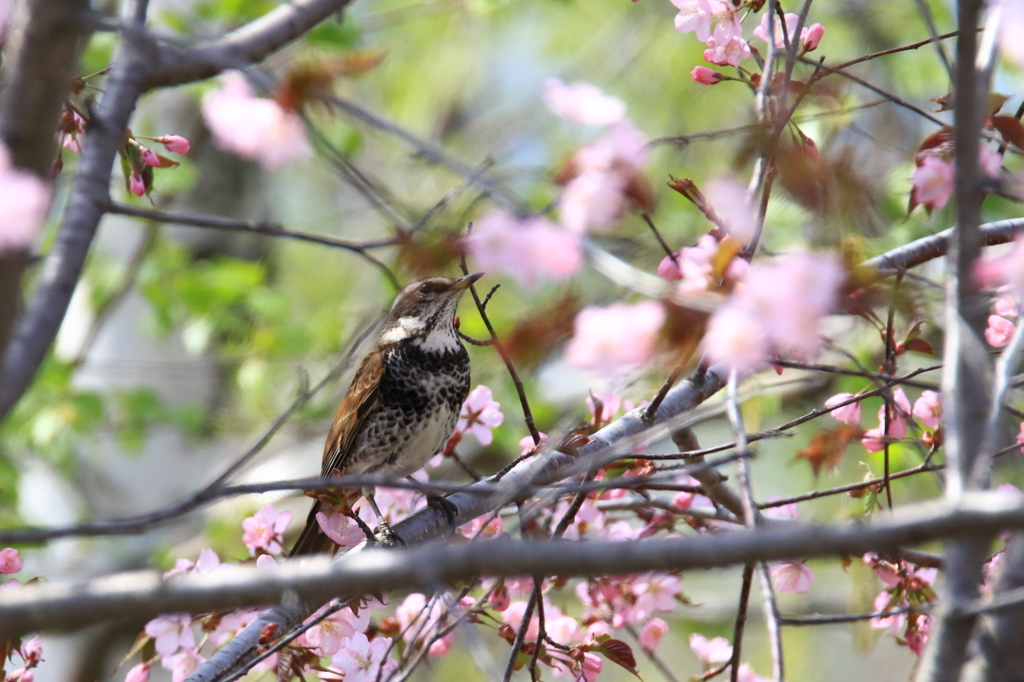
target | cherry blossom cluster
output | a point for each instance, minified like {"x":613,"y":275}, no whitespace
{"x":601,"y":181}
{"x":906,"y":587}
{"x":138,"y":160}
{"x":29,"y":652}
{"x":719,"y":25}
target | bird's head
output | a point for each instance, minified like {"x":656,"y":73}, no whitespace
{"x":424,"y":311}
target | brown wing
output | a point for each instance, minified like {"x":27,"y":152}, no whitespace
{"x":362,"y":396}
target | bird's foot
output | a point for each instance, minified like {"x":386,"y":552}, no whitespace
{"x":441,"y":503}
{"x":385,"y":536}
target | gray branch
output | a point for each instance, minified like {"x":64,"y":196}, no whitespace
{"x":316,"y":580}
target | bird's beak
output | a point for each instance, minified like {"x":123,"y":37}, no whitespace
{"x":464,"y":282}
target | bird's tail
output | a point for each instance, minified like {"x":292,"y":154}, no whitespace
{"x":312,"y":540}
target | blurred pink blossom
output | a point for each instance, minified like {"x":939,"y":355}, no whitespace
{"x":928,"y":408}
{"x":31,"y":651}
{"x":657,"y":592}
{"x":781,"y":36}
{"x":849,"y":414}
{"x":532,"y":250}
{"x":480,"y":413}
{"x":990,"y":160}
{"x":583,"y":103}
{"x":783,"y":511}
{"x":10,"y":561}
{"x":513,"y":617}
{"x":933,"y":183}
{"x":527,"y":444}
{"x":705,"y":76}
{"x":25,"y":198}
{"x":717,"y":650}
{"x":651,"y":634}
{"x":731,"y":202}
{"x":252,"y":127}
{"x":615,"y":339}
{"x":1006,"y":270}
{"x":776,"y":307}
{"x":565,"y":630}
{"x":999,"y":331}
{"x":499,"y":600}
{"x":1020,"y":437}
{"x":171,"y":633}
{"x":139,"y":673}
{"x":1007,"y":305}
{"x":699,"y":16}
{"x":792,"y":576}
{"x":873,"y":440}
{"x":340,"y":528}
{"x":595,"y":197}
{"x":265,"y":530}
{"x":917,"y":637}
{"x":747,"y":674}
{"x":363,"y":661}
{"x":182,"y":664}
{"x":1011,"y":29}
{"x":898,"y":414}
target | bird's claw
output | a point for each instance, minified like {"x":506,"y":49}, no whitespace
{"x":385,"y":536}
{"x":450,"y":511}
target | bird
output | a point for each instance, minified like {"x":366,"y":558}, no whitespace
{"x":404,"y":401}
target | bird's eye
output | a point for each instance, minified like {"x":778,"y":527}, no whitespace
{"x":429,"y":288}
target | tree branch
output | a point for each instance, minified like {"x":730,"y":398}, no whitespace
{"x":318,"y":579}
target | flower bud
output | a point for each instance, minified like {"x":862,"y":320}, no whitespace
{"x":812,"y":36}
{"x":705,"y":76}
{"x":149,"y":157}
{"x":175,"y":143}
{"x":136,"y":184}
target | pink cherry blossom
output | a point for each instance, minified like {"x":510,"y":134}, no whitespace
{"x":136,"y":184}
{"x":781,"y":36}
{"x":10,"y":561}
{"x":1011,"y":29}
{"x":717,"y":650}
{"x":705,"y":76}
{"x":149,"y":157}
{"x":696,"y":16}
{"x":592,"y":200}
{"x":849,"y":414}
{"x":651,"y":634}
{"x":513,"y":617}
{"x":265,"y":530}
{"x":898,"y":414}
{"x":883,"y":569}
{"x":31,"y":651}
{"x":527,"y":444}
{"x":1007,"y":306}
{"x":138,"y":673}
{"x":784,"y":511}
{"x":999,"y":331}
{"x":25,"y":198}
{"x":532,"y":250}
{"x":592,"y":665}
{"x":1005,"y":270}
{"x":363,"y":661}
{"x":777,"y":306}
{"x":731,"y":202}
{"x":22,"y":674}
{"x":991,"y":161}
{"x":610,"y":404}
{"x":182,"y":664}
{"x":172,"y":633}
{"x":175,"y":143}
{"x":747,"y":674}
{"x":563,"y":629}
{"x":253,"y":127}
{"x":928,"y":408}
{"x":726,"y":50}
{"x":917,"y":637}
{"x":657,"y":592}
{"x":1020,"y":437}
{"x":615,"y":339}
{"x":895,"y":622}
{"x":583,"y":103}
{"x":620,"y":149}
{"x":792,"y":576}
{"x":873,"y":440}
{"x":499,"y":599}
{"x":480,"y":413}
{"x":329,"y":634}
{"x":933,"y":183}
{"x":483,"y":528}
{"x":811,"y":37}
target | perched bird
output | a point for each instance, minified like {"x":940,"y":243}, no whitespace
{"x":404,"y":401}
